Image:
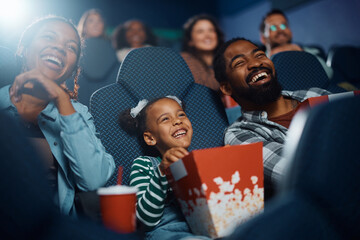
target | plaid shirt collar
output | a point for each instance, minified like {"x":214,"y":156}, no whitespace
{"x":300,"y":95}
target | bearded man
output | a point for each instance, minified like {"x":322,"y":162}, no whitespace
{"x":248,"y":75}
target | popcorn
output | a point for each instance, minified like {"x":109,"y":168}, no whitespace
{"x":223,"y":210}
{"x":203,"y":189}
{"x":235,"y":178}
{"x":254,"y":179}
{"x":218,"y":180}
{"x":197,"y":192}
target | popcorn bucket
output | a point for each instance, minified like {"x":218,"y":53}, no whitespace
{"x":219,"y":188}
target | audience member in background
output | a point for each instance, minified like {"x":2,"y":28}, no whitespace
{"x":132,"y":34}
{"x":99,"y":64}
{"x":202,"y":37}
{"x":248,"y":75}
{"x":62,"y":129}
{"x":163,"y":125}
{"x":276,"y":35}
{"x":92,"y":24}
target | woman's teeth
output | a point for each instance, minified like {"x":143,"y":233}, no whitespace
{"x":53,"y":59}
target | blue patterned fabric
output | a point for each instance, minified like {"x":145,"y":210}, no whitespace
{"x":157,"y":71}
{"x":149,"y":73}
{"x":299,"y":71}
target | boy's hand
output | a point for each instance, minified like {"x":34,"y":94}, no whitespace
{"x":170,"y":156}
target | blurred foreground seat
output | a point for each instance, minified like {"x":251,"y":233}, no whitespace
{"x":27,"y":210}
{"x":321,"y":194}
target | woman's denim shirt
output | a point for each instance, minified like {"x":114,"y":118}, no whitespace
{"x":82,"y":159}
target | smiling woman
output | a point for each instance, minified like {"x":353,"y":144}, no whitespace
{"x":202,"y":38}
{"x":62,"y":129}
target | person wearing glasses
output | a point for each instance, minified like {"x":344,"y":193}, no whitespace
{"x":276,"y":35}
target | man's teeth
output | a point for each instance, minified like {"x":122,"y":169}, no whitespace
{"x":53,"y":59}
{"x":179,"y":133}
{"x":257,"y":76}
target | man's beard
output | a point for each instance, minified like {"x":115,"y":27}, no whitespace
{"x":276,"y":44}
{"x":264,"y":94}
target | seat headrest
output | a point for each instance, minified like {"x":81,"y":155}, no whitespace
{"x":98,"y":58}
{"x":145,"y":73}
{"x":298,"y":70}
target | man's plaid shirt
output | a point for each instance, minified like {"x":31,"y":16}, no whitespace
{"x":254,"y":126}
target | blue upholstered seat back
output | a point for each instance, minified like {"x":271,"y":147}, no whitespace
{"x":156,"y":71}
{"x":99,"y":67}
{"x":98,"y":59}
{"x":106,"y":105}
{"x":149,"y":73}
{"x":299,"y":70}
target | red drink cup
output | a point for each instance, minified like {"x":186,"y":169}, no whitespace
{"x":118,"y":207}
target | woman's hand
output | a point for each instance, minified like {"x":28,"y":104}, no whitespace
{"x":170,"y":156}
{"x":35,"y":83}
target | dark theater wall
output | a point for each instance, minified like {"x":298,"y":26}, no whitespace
{"x":322,"y":22}
{"x":162,"y":15}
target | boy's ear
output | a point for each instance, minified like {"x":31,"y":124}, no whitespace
{"x":149,"y":139}
{"x":226,"y":88}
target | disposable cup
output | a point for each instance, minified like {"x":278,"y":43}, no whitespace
{"x":118,"y":207}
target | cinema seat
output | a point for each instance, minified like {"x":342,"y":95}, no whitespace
{"x":148,"y":73}
{"x":301,"y":70}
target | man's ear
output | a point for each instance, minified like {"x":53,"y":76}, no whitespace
{"x":149,"y":139}
{"x":226,"y":88}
